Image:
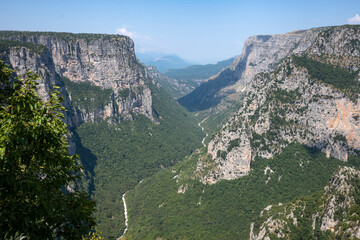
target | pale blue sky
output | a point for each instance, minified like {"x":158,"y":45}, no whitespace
{"x":202,"y":31}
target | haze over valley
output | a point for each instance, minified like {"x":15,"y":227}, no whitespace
{"x":214,"y":124}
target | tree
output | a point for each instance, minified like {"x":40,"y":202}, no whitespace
{"x":5,"y":87}
{"x":35,"y":167}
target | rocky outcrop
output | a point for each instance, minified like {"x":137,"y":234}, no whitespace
{"x":104,"y":61}
{"x":333,"y":214}
{"x":24,"y":58}
{"x":173,"y":86}
{"x":290,"y":104}
{"x":260,"y":53}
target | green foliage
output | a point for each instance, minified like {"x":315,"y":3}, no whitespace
{"x":228,"y":207}
{"x":221,"y":154}
{"x":118,"y":156}
{"x":206,"y":95}
{"x":304,"y":209}
{"x":177,"y":88}
{"x":284,"y":97}
{"x":340,"y":78}
{"x":257,"y":140}
{"x":340,"y":138}
{"x":124,"y":93}
{"x":215,"y":118}
{"x":196,"y":72}
{"x":35,"y":167}
{"x":6,"y":89}
{"x":232,"y":144}
{"x":6,"y":45}
{"x":86,"y":96}
{"x":61,"y":35}
{"x":92,"y":236}
{"x":277,"y":121}
{"x":352,"y":26}
{"x":303,"y":229}
{"x":284,"y":100}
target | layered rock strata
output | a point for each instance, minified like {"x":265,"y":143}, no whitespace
{"x":289,"y":104}
{"x":105,"y":61}
{"x":261,"y":53}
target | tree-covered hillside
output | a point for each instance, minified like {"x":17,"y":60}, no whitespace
{"x":198,"y":72}
{"x":181,"y":81}
{"x":66,"y":36}
{"x":173,"y":204}
{"x":37,"y":198}
{"x":117,"y":156}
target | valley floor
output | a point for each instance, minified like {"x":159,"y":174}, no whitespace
{"x":202,"y":129}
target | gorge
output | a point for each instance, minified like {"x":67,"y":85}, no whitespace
{"x":286,"y":113}
{"x":113,"y":107}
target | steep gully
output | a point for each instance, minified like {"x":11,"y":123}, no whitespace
{"x":202,"y":128}
{"x":123,"y":196}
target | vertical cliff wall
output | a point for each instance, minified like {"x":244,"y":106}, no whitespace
{"x":37,"y":59}
{"x":312,"y":97}
{"x":86,"y":61}
{"x":261,"y":53}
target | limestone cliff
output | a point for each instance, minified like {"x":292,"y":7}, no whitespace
{"x":173,"y":86}
{"x":311,"y":97}
{"x":107,"y":62}
{"x":38,"y":59}
{"x":260,"y":53}
{"x":332,"y":214}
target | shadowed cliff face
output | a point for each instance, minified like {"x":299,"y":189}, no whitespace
{"x":311,"y":97}
{"x":106,"y":64}
{"x":24,"y":58}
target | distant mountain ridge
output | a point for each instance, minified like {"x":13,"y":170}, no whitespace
{"x":163,"y":62}
{"x":261,"y":53}
{"x":298,"y":120}
{"x":311,"y":97}
{"x":330,"y":214}
{"x":198,"y":72}
{"x":179,"y":82}
{"x":106,"y":63}
{"x":123,"y":125}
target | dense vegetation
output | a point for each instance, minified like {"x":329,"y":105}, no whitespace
{"x":206,"y":95}
{"x":196,"y":72}
{"x":303,"y":209}
{"x":226,"y":209}
{"x":179,"y":82}
{"x":35,"y":167}
{"x":86,"y":96}
{"x":216,"y":117}
{"x":61,"y":35}
{"x":341,"y":78}
{"x":6,"y":45}
{"x":118,"y":156}
{"x":162,"y":62}
{"x":173,"y":88}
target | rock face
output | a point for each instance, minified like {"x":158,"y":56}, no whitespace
{"x":332,"y":214}
{"x":40,"y":61}
{"x":106,"y":62}
{"x":261,"y":53}
{"x":295,"y":102}
{"x":173,"y":86}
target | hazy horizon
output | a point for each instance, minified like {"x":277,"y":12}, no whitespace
{"x":199,"y":31}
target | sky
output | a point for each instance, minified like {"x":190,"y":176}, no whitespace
{"x":201,"y":31}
